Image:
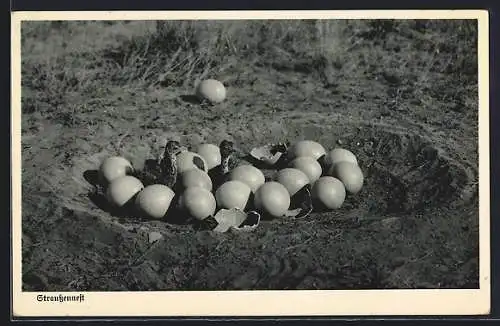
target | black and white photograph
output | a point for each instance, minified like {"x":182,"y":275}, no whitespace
{"x":192,"y":154}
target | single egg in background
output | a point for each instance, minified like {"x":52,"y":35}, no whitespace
{"x":211,"y":90}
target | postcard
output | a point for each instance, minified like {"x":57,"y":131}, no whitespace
{"x":250,"y":163}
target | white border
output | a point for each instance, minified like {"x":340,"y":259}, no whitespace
{"x":261,"y":303}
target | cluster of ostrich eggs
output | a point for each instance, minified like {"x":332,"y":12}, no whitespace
{"x":331,"y":173}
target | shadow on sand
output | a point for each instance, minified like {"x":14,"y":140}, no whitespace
{"x":190,"y":98}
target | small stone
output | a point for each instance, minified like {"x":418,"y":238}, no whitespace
{"x":442,"y":268}
{"x":340,"y":142}
{"x":131,"y":229}
{"x":154,"y":236}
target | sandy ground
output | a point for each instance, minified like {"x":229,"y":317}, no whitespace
{"x":403,"y":98}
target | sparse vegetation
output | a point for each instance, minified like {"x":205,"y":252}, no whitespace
{"x":400,"y":94}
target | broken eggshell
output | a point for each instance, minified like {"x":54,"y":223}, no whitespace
{"x":301,"y":203}
{"x":268,"y":154}
{"x":236,"y":219}
{"x":251,"y":223}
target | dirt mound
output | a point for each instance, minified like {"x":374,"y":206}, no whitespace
{"x":407,"y":177}
{"x":404,"y":172}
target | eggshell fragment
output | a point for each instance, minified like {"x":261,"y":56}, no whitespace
{"x":303,"y":200}
{"x":267,"y":154}
{"x":228,"y":218}
{"x":236,"y":220}
{"x":251,"y":222}
{"x":154,"y":237}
